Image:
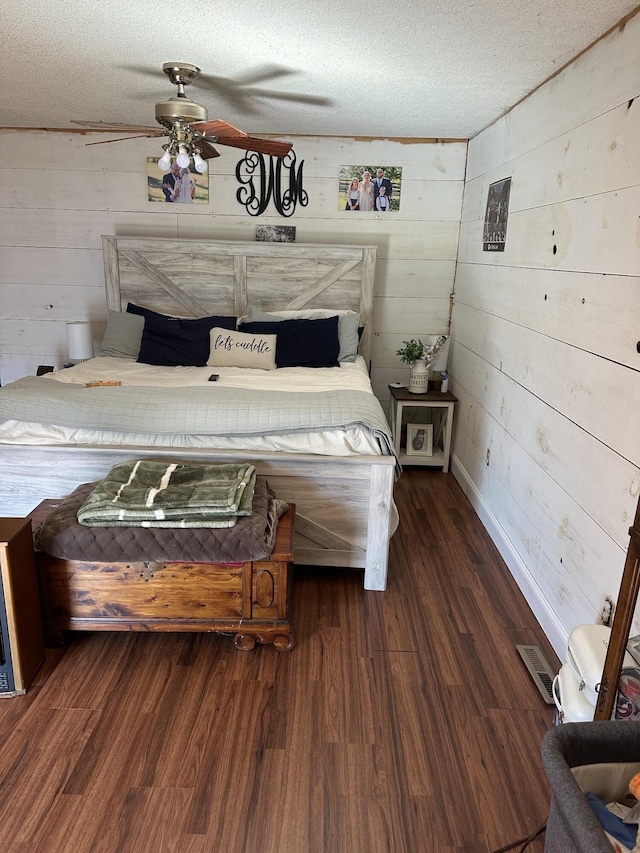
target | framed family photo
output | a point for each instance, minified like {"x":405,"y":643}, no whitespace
{"x":370,"y":189}
{"x":419,"y":440}
{"x":177,"y":186}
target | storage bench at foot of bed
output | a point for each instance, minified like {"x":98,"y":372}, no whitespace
{"x":249,"y":600}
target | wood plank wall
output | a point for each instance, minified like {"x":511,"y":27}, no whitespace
{"x":544,"y":357}
{"x":57,"y":197}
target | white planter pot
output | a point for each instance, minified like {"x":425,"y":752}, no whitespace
{"x":418,"y":377}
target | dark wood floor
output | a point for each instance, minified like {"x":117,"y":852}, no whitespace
{"x":403,"y":721}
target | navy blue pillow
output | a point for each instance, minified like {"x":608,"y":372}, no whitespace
{"x":174,"y":341}
{"x":302,"y":343}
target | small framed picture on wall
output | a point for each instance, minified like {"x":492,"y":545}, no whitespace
{"x":178,"y":185}
{"x":370,"y":189}
{"x":276,"y":233}
{"x":494,"y":235}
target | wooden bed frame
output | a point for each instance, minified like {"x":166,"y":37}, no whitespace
{"x":343,"y":504}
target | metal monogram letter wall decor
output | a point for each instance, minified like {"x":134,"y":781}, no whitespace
{"x":260,"y":184}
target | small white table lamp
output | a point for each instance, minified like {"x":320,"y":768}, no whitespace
{"x":79,"y":341}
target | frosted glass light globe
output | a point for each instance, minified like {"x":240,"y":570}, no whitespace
{"x":199,"y":163}
{"x":164,"y":162}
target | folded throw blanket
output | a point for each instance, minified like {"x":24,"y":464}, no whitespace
{"x":153,"y":493}
{"x":252,"y":538}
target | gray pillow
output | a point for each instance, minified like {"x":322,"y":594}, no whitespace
{"x":123,"y":336}
{"x":348,"y":323}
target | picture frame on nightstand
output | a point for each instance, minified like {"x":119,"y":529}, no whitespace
{"x":419,"y":440}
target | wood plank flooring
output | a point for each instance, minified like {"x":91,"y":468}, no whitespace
{"x":403,"y":721}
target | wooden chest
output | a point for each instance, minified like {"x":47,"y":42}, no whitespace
{"x":248,"y":600}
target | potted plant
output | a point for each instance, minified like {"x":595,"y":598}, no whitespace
{"x":411,"y":351}
{"x":419,"y":356}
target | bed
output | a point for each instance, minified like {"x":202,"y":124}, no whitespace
{"x":334,"y":459}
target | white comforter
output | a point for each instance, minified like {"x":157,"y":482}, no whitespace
{"x":347,"y":442}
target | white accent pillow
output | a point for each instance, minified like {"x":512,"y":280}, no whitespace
{"x":241,"y":349}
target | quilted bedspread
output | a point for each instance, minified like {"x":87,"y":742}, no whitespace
{"x":207,"y":410}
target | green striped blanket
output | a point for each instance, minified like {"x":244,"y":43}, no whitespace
{"x":148,"y":493}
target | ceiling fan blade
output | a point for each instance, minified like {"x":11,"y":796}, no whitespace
{"x":217,"y":127}
{"x":232,"y":91}
{"x":147,"y":70}
{"x":241,"y":91}
{"x":313,"y":100}
{"x":116,"y":125}
{"x":258,"y":75}
{"x":122,"y":138}
{"x":207,"y":150}
{"x":226,"y":134}
{"x":270,"y":147}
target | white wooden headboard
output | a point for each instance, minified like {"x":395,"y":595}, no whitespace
{"x":196,"y":278}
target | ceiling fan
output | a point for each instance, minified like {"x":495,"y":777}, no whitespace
{"x":185,"y":123}
{"x":244,"y":92}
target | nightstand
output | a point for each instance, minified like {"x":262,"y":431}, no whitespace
{"x":430,"y":442}
{"x":21,"y":644}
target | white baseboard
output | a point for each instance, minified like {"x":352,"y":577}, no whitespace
{"x":548,"y":620}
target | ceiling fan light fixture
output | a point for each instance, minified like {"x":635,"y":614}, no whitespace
{"x":189,"y":132}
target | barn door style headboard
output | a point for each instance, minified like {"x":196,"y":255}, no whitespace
{"x":197,"y":278}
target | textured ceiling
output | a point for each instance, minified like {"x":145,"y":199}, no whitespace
{"x":437,"y":68}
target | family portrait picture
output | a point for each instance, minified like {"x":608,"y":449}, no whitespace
{"x":370,"y":188}
{"x":177,"y":185}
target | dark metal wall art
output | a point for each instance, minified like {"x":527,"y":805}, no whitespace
{"x":264,"y":178}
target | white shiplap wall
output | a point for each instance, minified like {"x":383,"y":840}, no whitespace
{"x":544,"y":357}
{"x":57,"y":197}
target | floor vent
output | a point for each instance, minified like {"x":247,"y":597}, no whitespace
{"x":539,"y":670}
